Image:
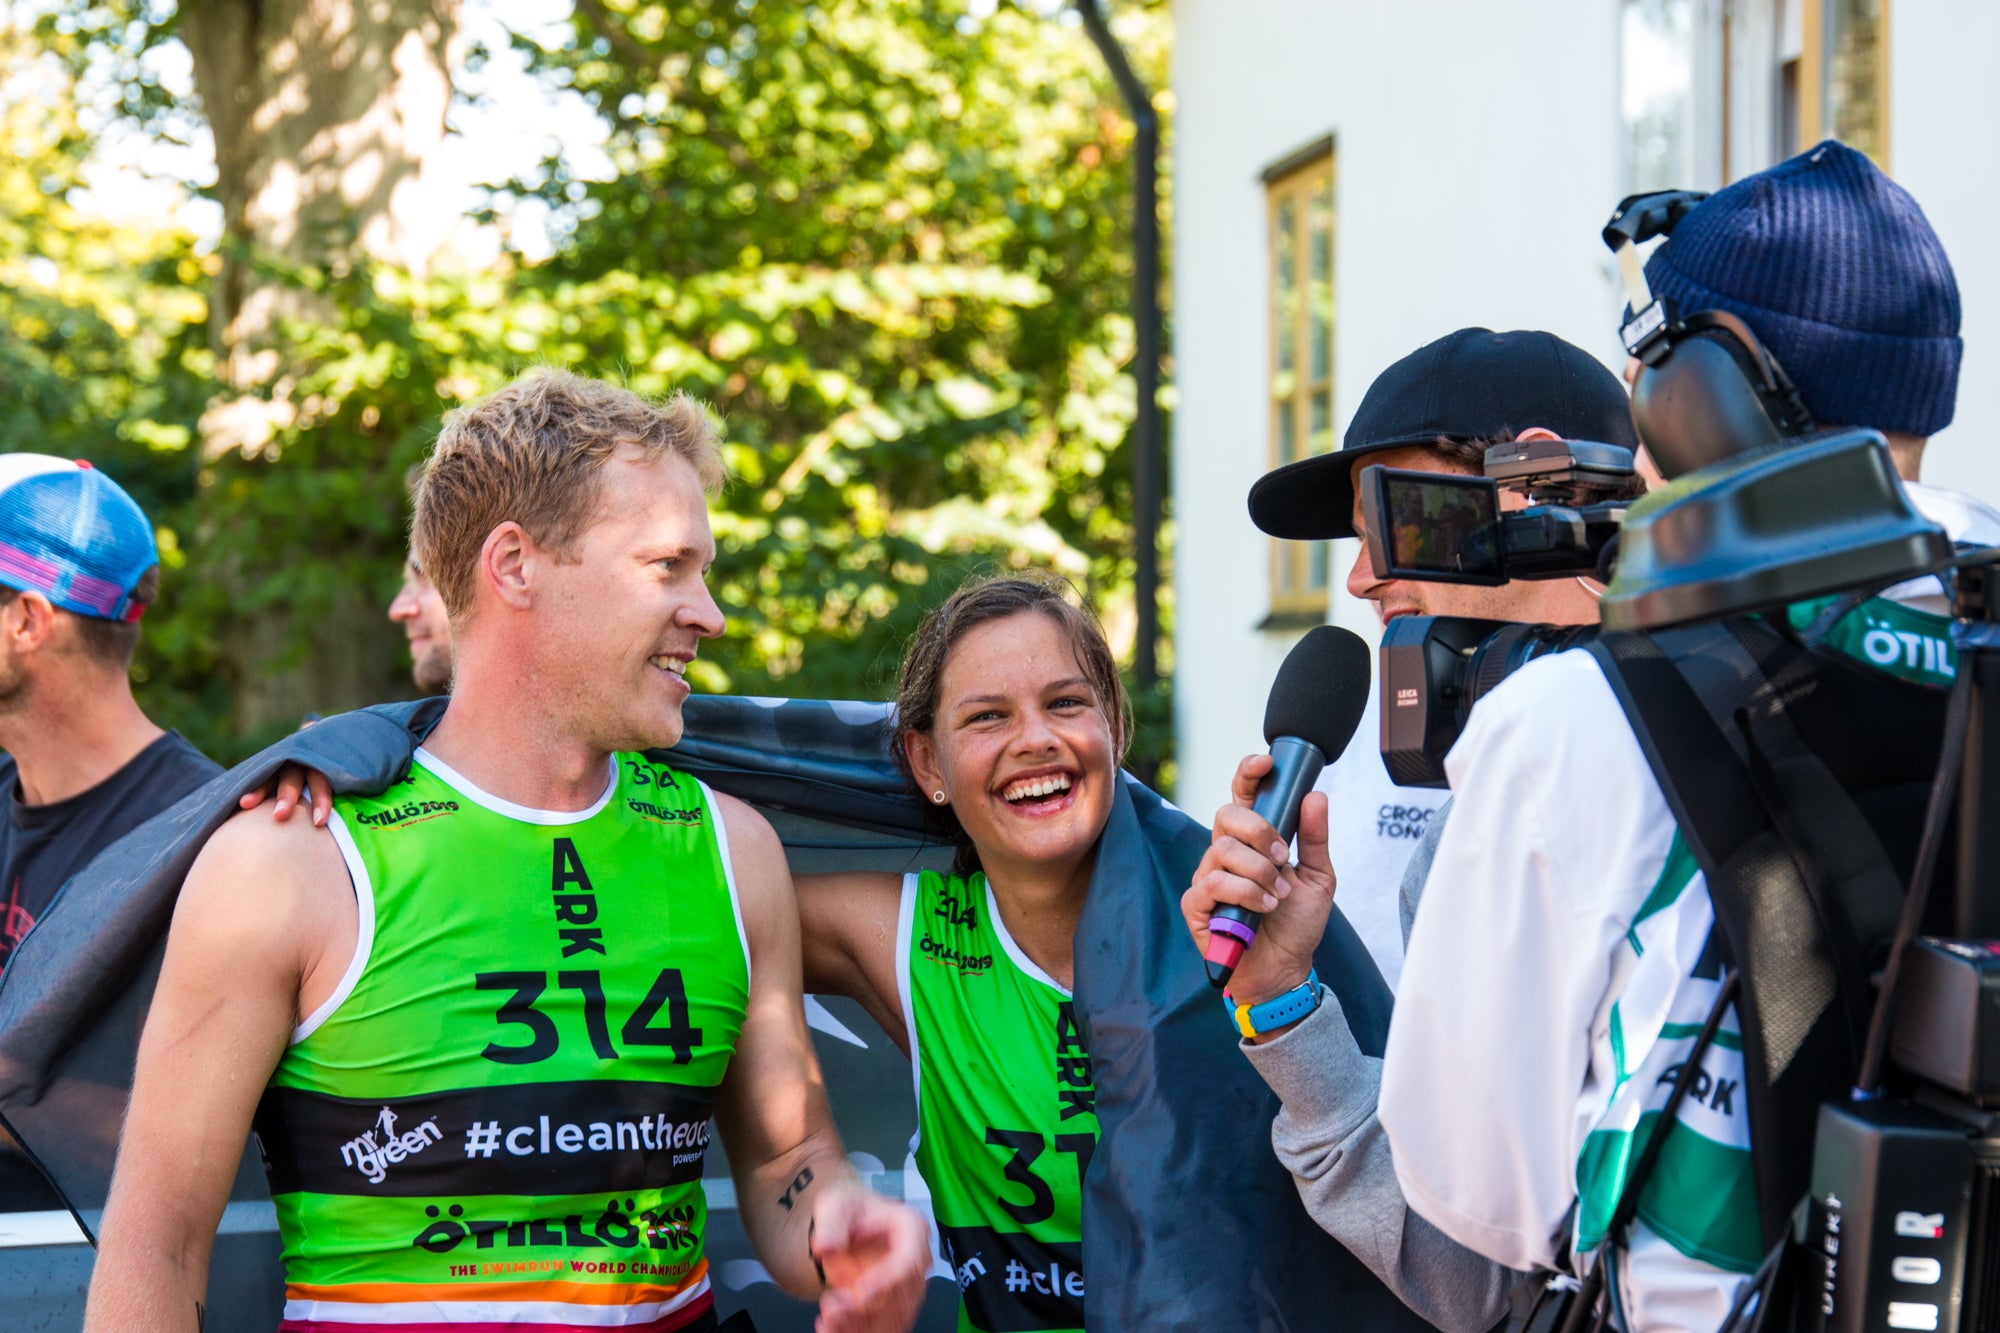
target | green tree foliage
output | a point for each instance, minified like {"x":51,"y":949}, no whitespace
{"x":890,"y":245}
{"x":887,"y":241}
{"x":102,"y":353}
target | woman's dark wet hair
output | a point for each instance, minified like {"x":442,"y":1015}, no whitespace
{"x":976,"y":604}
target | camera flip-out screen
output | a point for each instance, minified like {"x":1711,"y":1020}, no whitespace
{"x":1437,"y":527}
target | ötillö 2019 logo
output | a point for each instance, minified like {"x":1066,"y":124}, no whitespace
{"x":410,"y":812}
{"x":971,"y":964}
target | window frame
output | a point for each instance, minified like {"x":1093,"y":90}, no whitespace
{"x":1300,"y":572}
{"x":1818,"y":56}
{"x":1709,"y":90}
{"x":1811,"y":116}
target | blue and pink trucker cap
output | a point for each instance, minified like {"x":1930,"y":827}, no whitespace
{"x":71,"y":533}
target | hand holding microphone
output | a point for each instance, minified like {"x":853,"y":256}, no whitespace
{"x":1314,"y":708}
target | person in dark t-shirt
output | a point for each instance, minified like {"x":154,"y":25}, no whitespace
{"x":42,"y":845}
{"x":83,"y":764}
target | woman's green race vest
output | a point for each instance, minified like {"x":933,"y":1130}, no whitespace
{"x":500,"y":1115}
{"x":1006,"y":1116}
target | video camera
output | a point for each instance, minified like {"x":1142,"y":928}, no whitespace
{"x":1442,"y":528}
{"x":1900,"y":1226}
{"x":1902,"y":1230}
{"x":1707,"y":391}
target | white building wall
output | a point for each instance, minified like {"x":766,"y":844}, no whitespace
{"x":1476,"y":159}
{"x":1944,"y":107}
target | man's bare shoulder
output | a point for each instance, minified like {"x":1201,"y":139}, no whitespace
{"x":763,"y":880}
{"x":254,"y":839}
{"x":750,"y":834}
{"x":255,"y":860}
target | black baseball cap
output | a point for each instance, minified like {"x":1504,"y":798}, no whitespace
{"x":1474,"y":384}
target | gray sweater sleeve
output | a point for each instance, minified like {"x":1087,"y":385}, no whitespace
{"x":1327,"y":1136}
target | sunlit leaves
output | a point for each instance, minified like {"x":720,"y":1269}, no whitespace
{"x":886,"y":240}
{"x":888,"y":243}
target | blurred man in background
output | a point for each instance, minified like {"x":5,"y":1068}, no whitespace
{"x":420,"y":611}
{"x":84,"y":765}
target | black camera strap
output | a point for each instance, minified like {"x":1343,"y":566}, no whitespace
{"x":1849,"y":879}
{"x":1799,"y":881}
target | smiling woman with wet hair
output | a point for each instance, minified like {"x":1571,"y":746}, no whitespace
{"x":920,"y":690}
{"x":1011,"y":721}
{"x":1038,"y":993}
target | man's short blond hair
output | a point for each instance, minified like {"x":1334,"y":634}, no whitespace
{"x":533,"y":453}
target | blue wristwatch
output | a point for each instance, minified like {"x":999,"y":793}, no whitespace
{"x":1254,"y":1020}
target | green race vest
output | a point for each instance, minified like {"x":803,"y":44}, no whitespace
{"x":501,"y":1114}
{"x":1006,"y":1111}
{"x":1899,"y":640}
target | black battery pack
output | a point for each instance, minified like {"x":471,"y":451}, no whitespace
{"x":1892,"y":1198}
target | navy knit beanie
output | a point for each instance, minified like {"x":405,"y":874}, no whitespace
{"x":1835,"y":269}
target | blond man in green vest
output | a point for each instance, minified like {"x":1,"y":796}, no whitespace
{"x":481,"y":1021}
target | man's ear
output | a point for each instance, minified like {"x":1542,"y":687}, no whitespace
{"x":922,"y":754}
{"x":1536,"y":433}
{"x":27,"y":622}
{"x":507,"y":564}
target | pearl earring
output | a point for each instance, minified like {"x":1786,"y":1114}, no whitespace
{"x":938,"y":796}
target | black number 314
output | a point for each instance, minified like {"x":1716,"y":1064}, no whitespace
{"x":518,"y":1010}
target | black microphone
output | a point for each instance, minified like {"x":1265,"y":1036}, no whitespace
{"x":1316,"y":703}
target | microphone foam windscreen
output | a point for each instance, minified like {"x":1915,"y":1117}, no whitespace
{"x":1321,"y":691}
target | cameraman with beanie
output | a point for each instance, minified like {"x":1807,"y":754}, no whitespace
{"x":1566,"y":953}
{"x":1835,"y":269}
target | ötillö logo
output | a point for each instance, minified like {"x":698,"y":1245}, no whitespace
{"x":410,"y":812}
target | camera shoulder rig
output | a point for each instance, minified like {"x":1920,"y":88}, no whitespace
{"x":1791,"y":775}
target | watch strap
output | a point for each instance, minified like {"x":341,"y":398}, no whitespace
{"x":1254,"y":1020}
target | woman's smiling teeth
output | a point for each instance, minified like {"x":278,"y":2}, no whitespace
{"x":1034,"y":788}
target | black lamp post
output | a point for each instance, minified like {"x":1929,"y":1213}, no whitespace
{"x":1146,"y":460}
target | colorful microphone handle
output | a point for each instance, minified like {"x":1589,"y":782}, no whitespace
{"x":1295,"y":766}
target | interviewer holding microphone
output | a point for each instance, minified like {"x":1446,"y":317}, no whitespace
{"x":1436,"y":410}
{"x":1326,"y":1133}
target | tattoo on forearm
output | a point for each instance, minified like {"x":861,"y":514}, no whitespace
{"x":796,"y":1188}
{"x":199,"y":1321}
